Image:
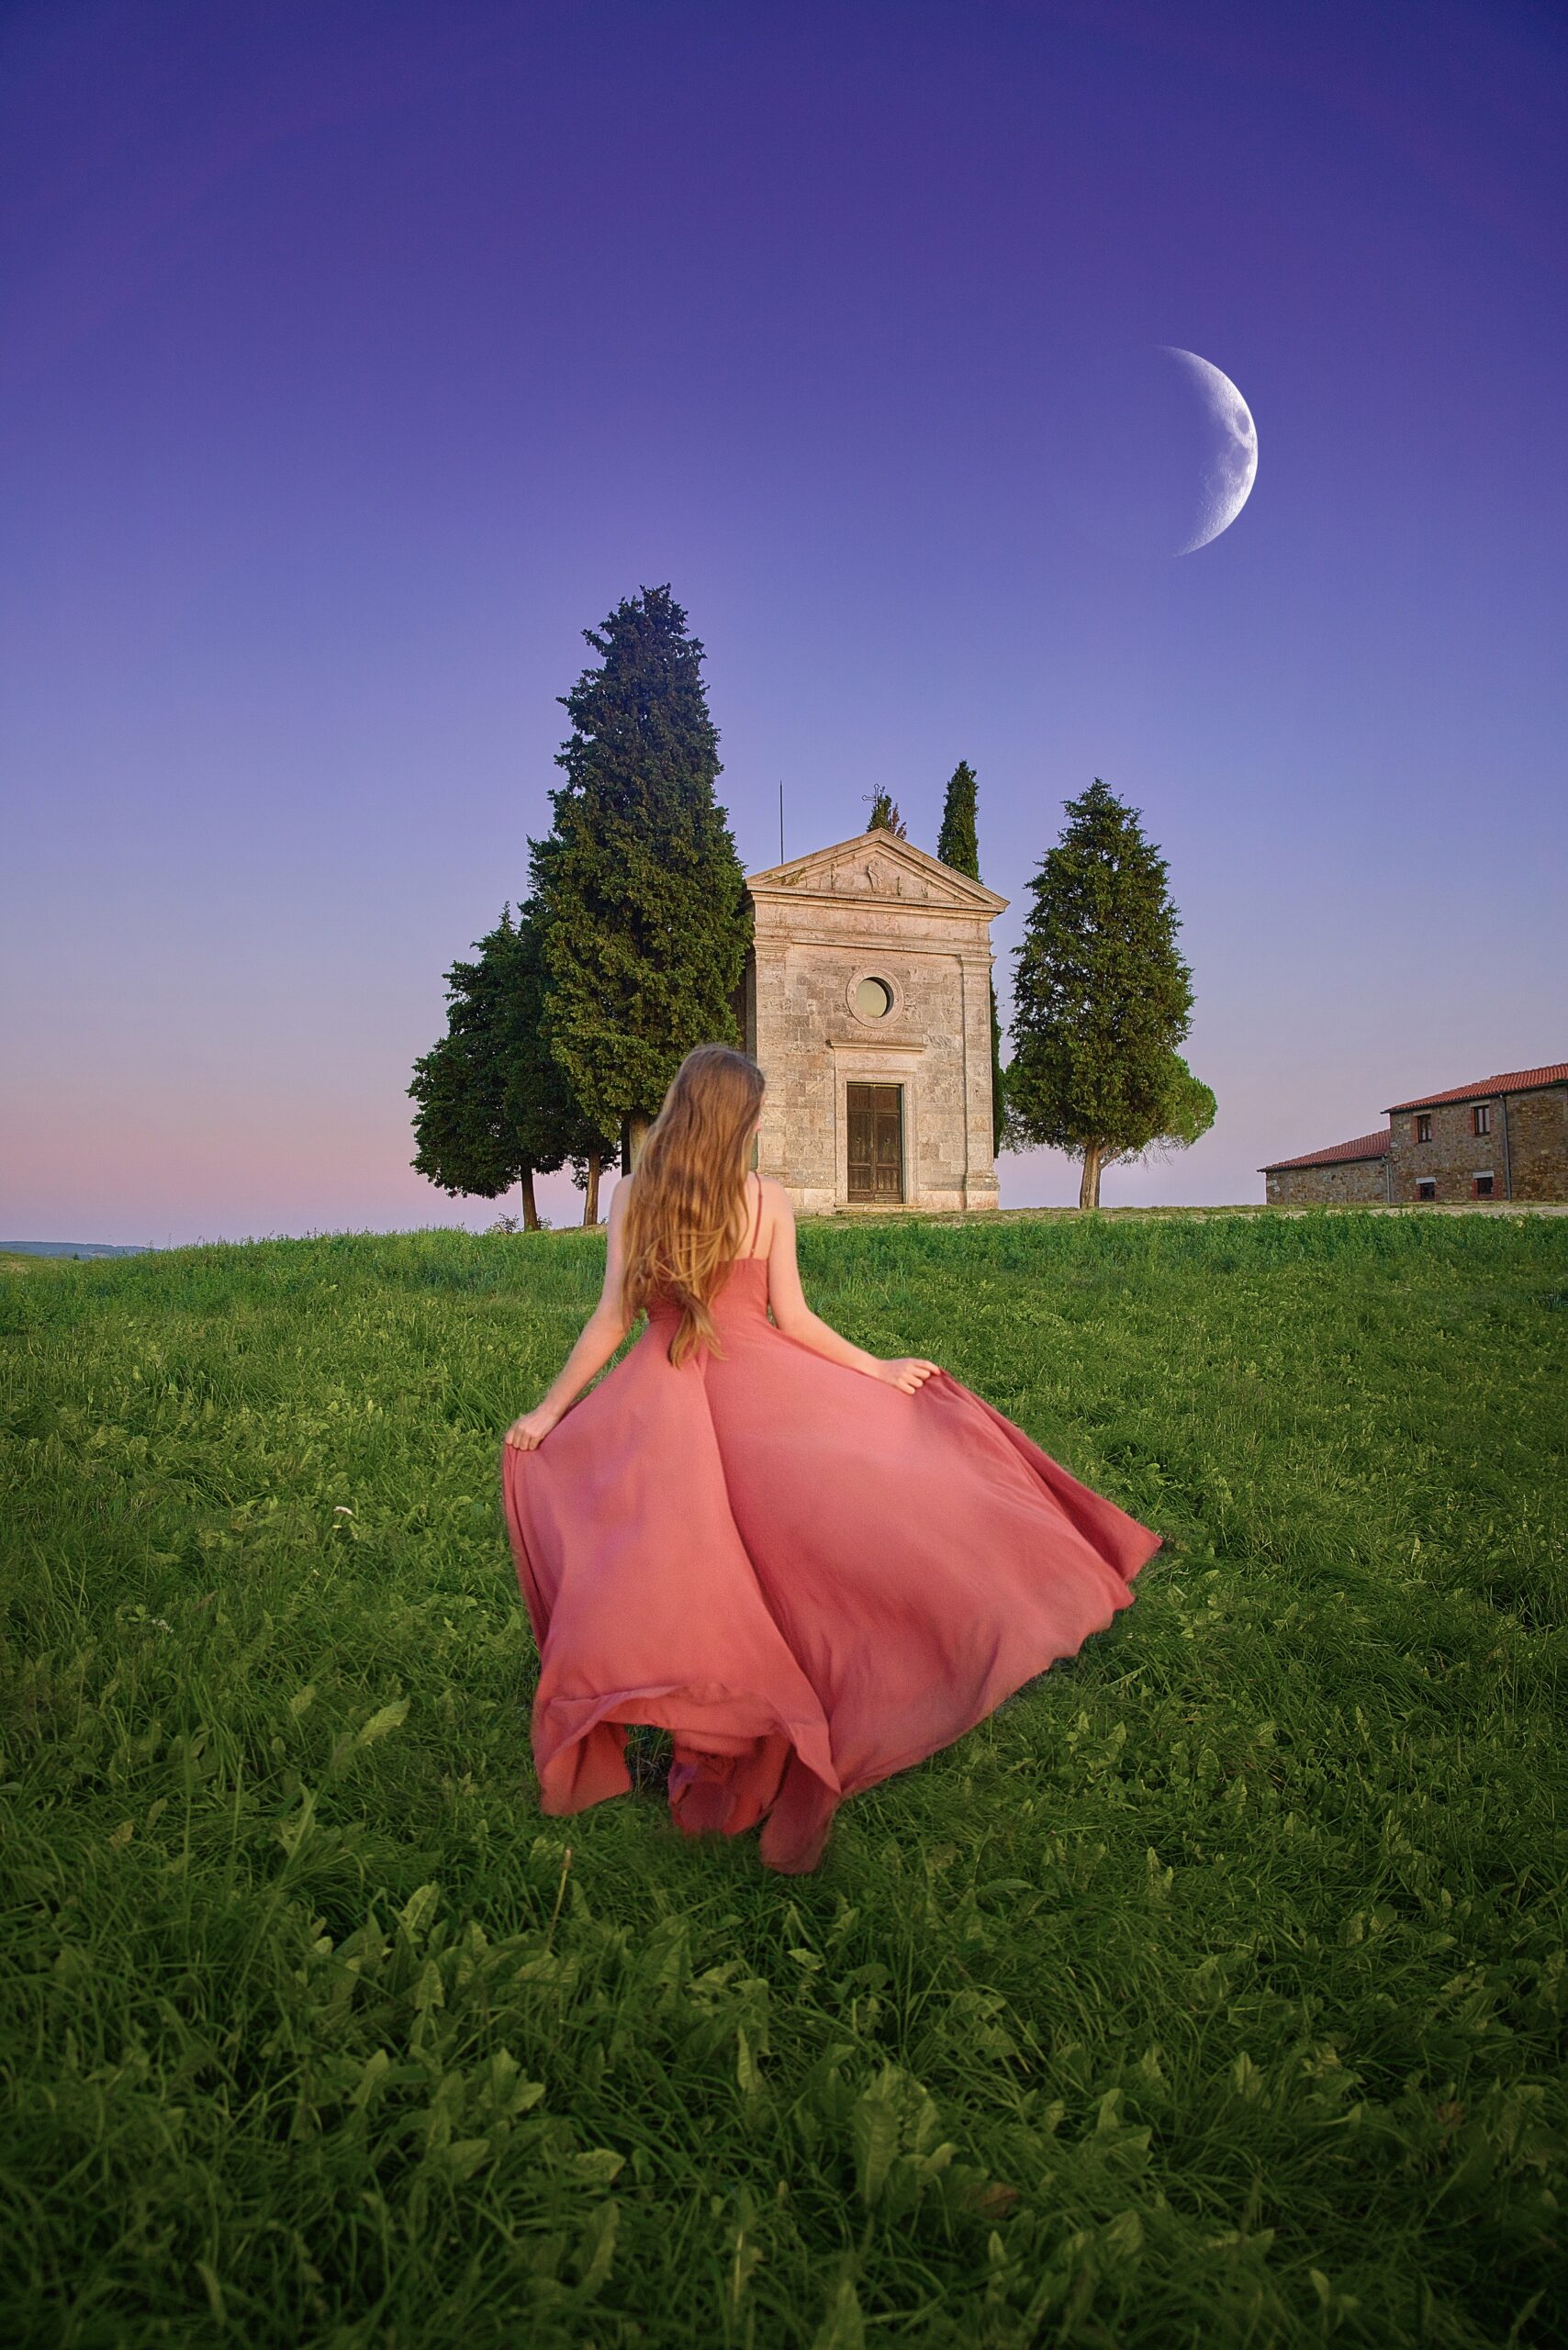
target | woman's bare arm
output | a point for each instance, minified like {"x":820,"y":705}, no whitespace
{"x":797,"y":1321}
{"x":600,"y":1337}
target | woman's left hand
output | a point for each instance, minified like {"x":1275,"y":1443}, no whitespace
{"x":529,"y":1432}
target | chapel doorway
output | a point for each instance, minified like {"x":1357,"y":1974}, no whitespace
{"x":876,"y":1142}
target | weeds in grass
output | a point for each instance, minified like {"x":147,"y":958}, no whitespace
{"x":1211,"y":1993}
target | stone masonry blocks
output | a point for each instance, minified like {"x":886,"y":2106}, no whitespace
{"x":874,"y":907}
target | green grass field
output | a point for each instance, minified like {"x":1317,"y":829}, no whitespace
{"x":1211,"y":1993}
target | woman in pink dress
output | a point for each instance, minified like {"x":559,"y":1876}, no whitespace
{"x":813,"y":1567}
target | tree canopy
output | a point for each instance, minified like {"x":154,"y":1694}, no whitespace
{"x":1190,"y":1110}
{"x":641,"y":892}
{"x":494,"y":1105}
{"x":476,"y":1129}
{"x":958,"y":842}
{"x":1102,"y":1001}
{"x":885,"y":816}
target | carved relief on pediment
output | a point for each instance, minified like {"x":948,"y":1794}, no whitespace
{"x":890,"y":872}
{"x":877,"y":877}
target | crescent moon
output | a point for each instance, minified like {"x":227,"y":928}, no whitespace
{"x":1231,"y":471}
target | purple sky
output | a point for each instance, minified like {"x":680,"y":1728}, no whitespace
{"x":354,"y":358}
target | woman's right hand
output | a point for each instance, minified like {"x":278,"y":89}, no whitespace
{"x":529,"y":1432}
{"x":907,"y":1373}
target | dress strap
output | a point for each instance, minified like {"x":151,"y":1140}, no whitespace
{"x":751,"y":1234}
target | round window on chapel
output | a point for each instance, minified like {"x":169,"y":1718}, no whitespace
{"x":873,"y":999}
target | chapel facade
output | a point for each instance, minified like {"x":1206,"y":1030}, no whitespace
{"x":867,"y":1004}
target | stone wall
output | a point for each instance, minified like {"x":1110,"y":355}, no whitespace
{"x":1527,"y":1143}
{"x":1538,"y":1143}
{"x":873,"y":909}
{"x":1346,"y":1182}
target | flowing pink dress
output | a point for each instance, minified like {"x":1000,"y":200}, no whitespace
{"x":810,"y":1579}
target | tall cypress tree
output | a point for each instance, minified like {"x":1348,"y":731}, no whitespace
{"x":1102,"y":1001}
{"x":640,"y":891}
{"x":958,"y":842}
{"x":958,"y":845}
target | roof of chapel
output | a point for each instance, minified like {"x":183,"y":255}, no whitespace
{"x":876,"y":865}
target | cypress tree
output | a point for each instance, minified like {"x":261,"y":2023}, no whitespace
{"x":958,"y":845}
{"x":958,"y":842}
{"x":478,"y":1124}
{"x":551,"y":1124}
{"x":494,"y":1108}
{"x":1102,"y":1001}
{"x":885,"y":816}
{"x":640,"y":891}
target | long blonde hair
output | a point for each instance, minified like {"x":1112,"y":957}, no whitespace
{"x":686,"y":1204}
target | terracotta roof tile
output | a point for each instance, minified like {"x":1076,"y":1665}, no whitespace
{"x":1364,"y":1147}
{"x":1517,"y":1081}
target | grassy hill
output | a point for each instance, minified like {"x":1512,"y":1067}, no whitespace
{"x":10,"y":1249}
{"x":1211,"y":1993}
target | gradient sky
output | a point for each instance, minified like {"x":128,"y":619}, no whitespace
{"x":354,"y":358}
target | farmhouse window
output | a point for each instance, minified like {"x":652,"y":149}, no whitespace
{"x":1427,"y":1189}
{"x":1424,"y":1127}
{"x":1480,"y":1118}
{"x":1481,"y":1187}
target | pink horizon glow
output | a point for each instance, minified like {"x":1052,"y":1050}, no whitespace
{"x":350,"y":373}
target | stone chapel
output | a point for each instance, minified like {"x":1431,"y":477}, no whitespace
{"x":867,"y":1004}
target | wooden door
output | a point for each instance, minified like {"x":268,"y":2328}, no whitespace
{"x":876,"y":1142}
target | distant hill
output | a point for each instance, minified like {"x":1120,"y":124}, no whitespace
{"x":69,"y":1248}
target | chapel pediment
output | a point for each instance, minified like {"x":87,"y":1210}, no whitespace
{"x":876,"y":865}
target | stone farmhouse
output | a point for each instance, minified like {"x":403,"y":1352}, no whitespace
{"x":1502,"y":1138}
{"x":867,"y":1004}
